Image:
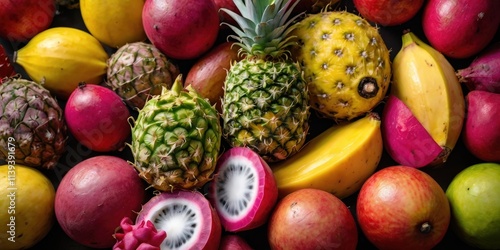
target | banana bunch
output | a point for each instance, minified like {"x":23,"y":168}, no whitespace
{"x":339,"y":160}
{"x":432,"y":110}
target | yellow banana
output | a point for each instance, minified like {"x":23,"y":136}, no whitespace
{"x":426,"y":82}
{"x":61,"y":58}
{"x":339,"y":160}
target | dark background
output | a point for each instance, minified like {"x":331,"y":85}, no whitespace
{"x":458,"y":160}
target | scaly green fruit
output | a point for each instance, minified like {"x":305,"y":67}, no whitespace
{"x":176,"y":139}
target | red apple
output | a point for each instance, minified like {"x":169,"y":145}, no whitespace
{"x":388,"y":12}
{"x":481,"y":133}
{"x":312,"y":219}
{"x":401,"y":207}
{"x":22,"y":19}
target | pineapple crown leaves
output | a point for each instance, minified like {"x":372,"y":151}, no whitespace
{"x":263,"y":27}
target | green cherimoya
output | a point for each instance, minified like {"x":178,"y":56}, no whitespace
{"x":176,"y":139}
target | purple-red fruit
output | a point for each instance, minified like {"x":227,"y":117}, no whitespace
{"x":142,"y":236}
{"x":460,"y":28}
{"x":233,"y":242}
{"x":483,"y":73}
{"x":186,"y":216}
{"x":405,"y":138}
{"x":97,"y":117}
{"x":181,"y":29}
{"x":481,"y":134}
{"x":94,"y":196}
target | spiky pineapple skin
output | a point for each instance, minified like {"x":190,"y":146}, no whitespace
{"x":340,"y":53}
{"x":265,"y":107}
{"x":137,"y":71}
{"x":32,"y":127}
{"x":176,"y":140}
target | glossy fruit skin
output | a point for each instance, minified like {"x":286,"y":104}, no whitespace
{"x":61,"y":58}
{"x":481,"y":133}
{"x":23,"y":19}
{"x":6,"y":68}
{"x":396,"y":206}
{"x":388,"y":12}
{"x":474,"y":195}
{"x":97,"y":118}
{"x":312,"y":219}
{"x":94,"y":196}
{"x":208,"y":73}
{"x":114,"y":22}
{"x":181,"y":29}
{"x":27,"y":197}
{"x":460,"y":28}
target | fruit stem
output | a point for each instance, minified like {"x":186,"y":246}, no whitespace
{"x":425,"y":228}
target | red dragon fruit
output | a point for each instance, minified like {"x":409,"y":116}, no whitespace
{"x":142,"y":236}
{"x":483,"y":73}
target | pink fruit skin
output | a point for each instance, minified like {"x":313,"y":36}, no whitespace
{"x":211,"y":231}
{"x":94,"y":196}
{"x":460,"y":28}
{"x":97,"y":118}
{"x":261,"y":209}
{"x":312,"y":219}
{"x":22,"y":19}
{"x":233,"y":242}
{"x":388,"y":12}
{"x":181,"y":29}
{"x":143,"y":236}
{"x":481,"y":133}
{"x":405,"y":139}
{"x":395,"y":202}
{"x":483,"y":73}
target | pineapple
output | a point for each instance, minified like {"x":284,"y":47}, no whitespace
{"x":176,"y":139}
{"x":265,"y":103}
{"x":138,"y":70}
{"x":345,"y":61}
{"x":32,"y":127}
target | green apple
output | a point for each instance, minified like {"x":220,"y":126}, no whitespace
{"x":474,"y":196}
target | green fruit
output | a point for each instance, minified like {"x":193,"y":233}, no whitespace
{"x":474,"y":196}
{"x":265,"y":105}
{"x":176,"y":139}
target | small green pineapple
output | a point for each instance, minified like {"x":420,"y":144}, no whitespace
{"x":265,"y":103}
{"x":176,"y":139}
{"x":345,"y":61}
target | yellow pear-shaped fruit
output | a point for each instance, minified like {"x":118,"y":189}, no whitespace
{"x":62,"y":57}
{"x":26,"y":205}
{"x":114,"y":22}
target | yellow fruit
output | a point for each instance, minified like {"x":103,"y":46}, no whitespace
{"x":114,"y":22}
{"x":338,"y":161}
{"x":62,"y":57}
{"x":426,"y":82}
{"x":26,"y":206}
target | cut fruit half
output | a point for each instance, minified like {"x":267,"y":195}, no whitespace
{"x":405,"y":138}
{"x":186,"y":216}
{"x":243,"y":191}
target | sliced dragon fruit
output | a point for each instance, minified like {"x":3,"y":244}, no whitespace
{"x":186,"y":216}
{"x":243,"y":191}
{"x":143,"y":236}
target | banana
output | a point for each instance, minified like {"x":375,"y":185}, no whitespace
{"x":339,"y":160}
{"x":427,"y":84}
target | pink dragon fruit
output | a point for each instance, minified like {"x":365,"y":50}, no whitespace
{"x":142,"y":236}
